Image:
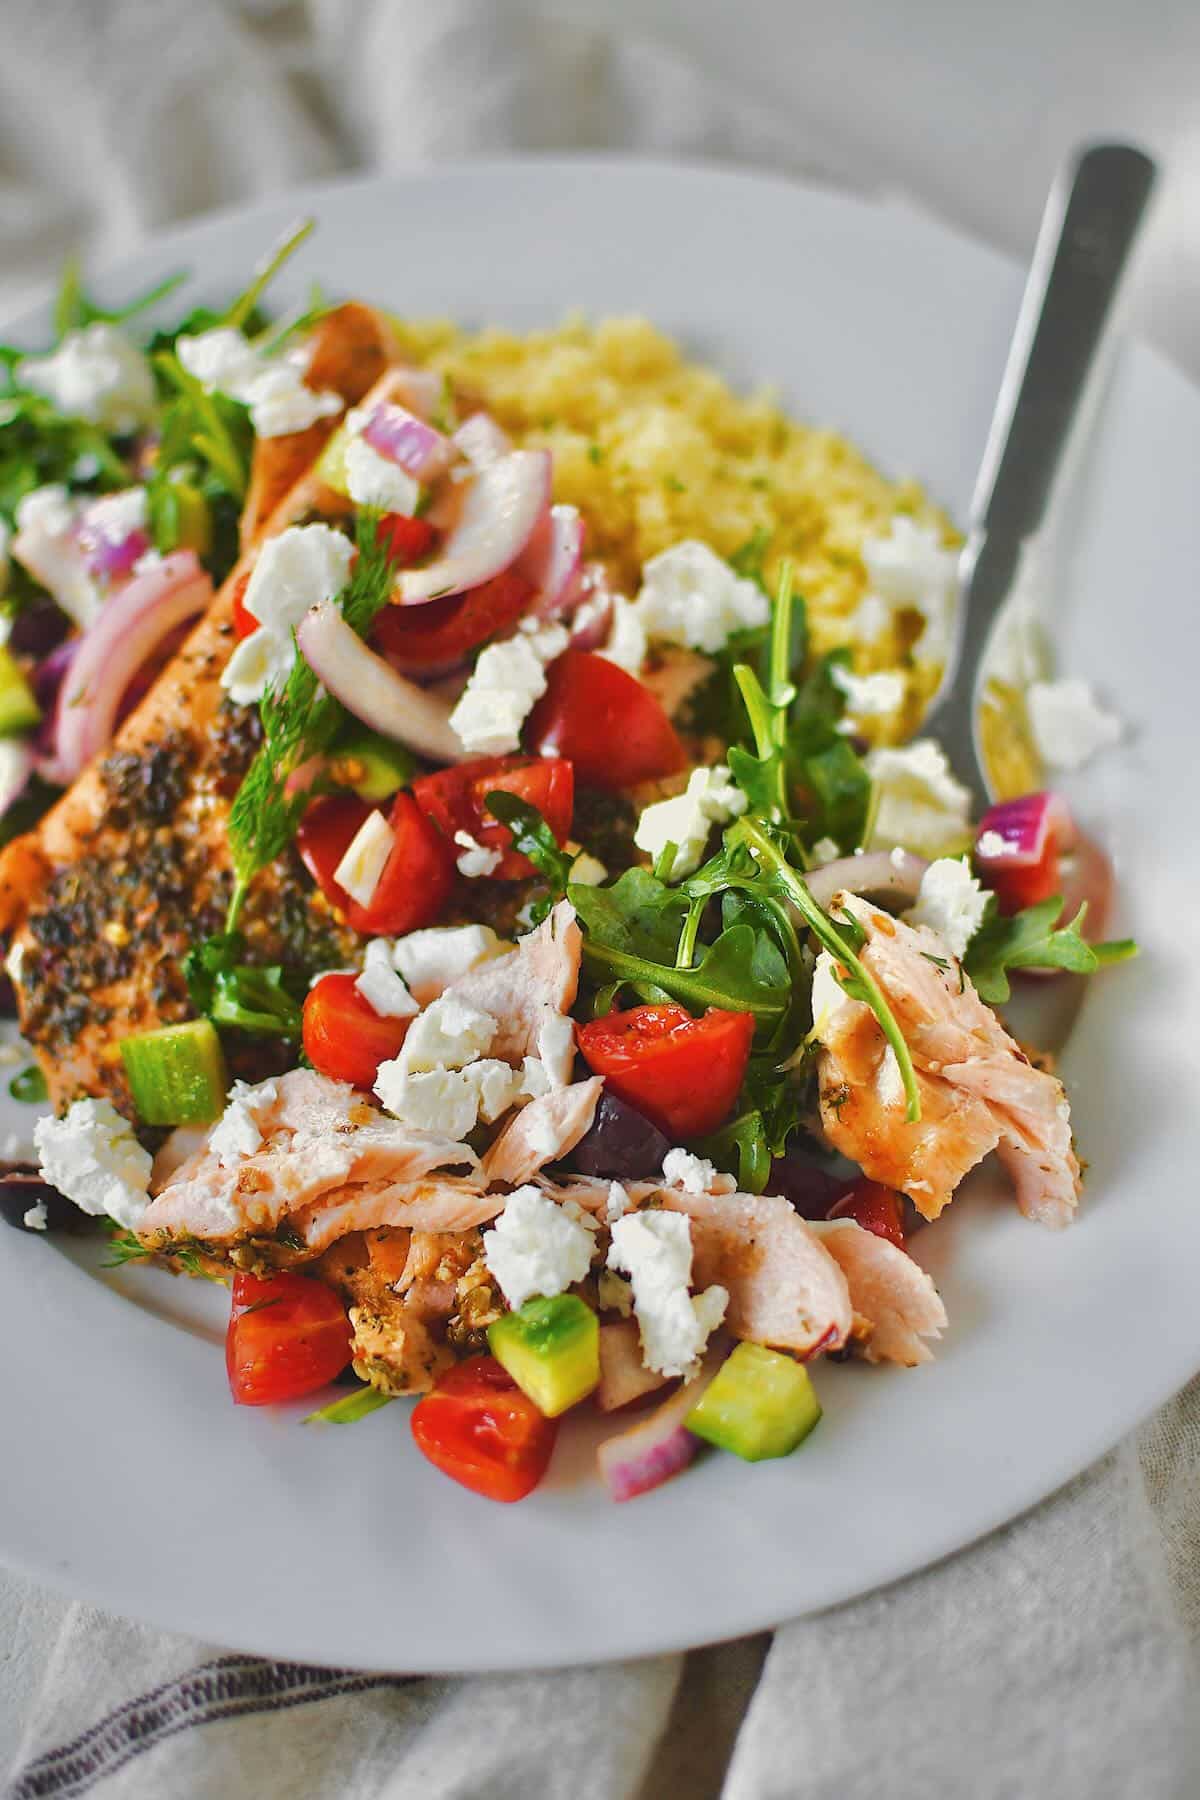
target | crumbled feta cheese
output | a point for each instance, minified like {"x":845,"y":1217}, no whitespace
{"x":627,"y":644}
{"x":476,"y":859}
{"x":869,"y":620}
{"x":695,"y":1174}
{"x":588,"y":870}
{"x":374,"y":480}
{"x":690,"y":596}
{"x":222,"y":361}
{"x":824,"y":851}
{"x":711,"y":798}
{"x":869,"y":696}
{"x":1069,"y":724}
{"x":381,"y":986}
{"x":828,"y":997}
{"x":655,"y":1250}
{"x":303,"y":565}
{"x":617,"y":1204}
{"x":47,"y":546}
{"x":365,"y":858}
{"x":36,"y":1218}
{"x":951,"y":902}
{"x":556,"y":1046}
{"x":614,"y":1294}
{"x":238,"y":1133}
{"x":449,"y":1034}
{"x":991,"y":844}
{"x":431,"y":960}
{"x":117,"y":516}
{"x":538,"y":1246}
{"x":496,"y":1086}
{"x":911,"y":568}
{"x":437,"y":1100}
{"x":507,"y":680}
{"x":92,"y":1156}
{"x":95,"y":374}
{"x":920,"y":804}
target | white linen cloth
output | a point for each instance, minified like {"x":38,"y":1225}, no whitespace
{"x":1062,"y":1655}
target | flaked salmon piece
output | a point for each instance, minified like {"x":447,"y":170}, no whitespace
{"x":348,"y":351}
{"x":399,"y":1343}
{"x":979,"y":1092}
{"x":542,"y":1132}
{"x":443,"y":1203}
{"x":542,"y":970}
{"x":888,"y":1290}
{"x":318,"y":1137}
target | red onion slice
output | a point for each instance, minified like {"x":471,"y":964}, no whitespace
{"x":130,"y":627}
{"x":650,"y":1452}
{"x":372,"y":690}
{"x":408,"y":441}
{"x":553,"y":561}
{"x":420,"y":390}
{"x":1016,"y":834}
{"x":481,"y":440}
{"x":891,"y":874}
{"x":500,"y":510}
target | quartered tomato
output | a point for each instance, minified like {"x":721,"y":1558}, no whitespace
{"x":456,"y":799}
{"x":243,"y":622}
{"x":416,"y":878}
{"x":481,"y":1430}
{"x":405,"y":540}
{"x":682,"y":1074}
{"x":419,"y":639}
{"x":344,"y":1037}
{"x":876,"y":1208}
{"x":288,"y":1335}
{"x":604,"y":721}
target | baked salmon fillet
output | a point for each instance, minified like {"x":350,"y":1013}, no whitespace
{"x":131,"y":866}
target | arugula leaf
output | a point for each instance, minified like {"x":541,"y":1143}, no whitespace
{"x":299,"y":722}
{"x":638,"y":915}
{"x":740,"y":1148}
{"x":74,"y":309}
{"x":1031,"y":939}
{"x":533,"y":838}
{"x":254,"y":998}
{"x":729,"y":975}
{"x":38,"y":444}
{"x":215,"y":427}
{"x":749,"y":559}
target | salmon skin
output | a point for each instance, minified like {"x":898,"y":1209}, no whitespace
{"x":131,"y":867}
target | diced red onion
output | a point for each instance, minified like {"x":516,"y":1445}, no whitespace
{"x":408,"y":441}
{"x":553,"y":561}
{"x":624,"y":1377}
{"x":128,"y":630}
{"x":109,"y":558}
{"x":372,"y":690}
{"x":499,"y":512}
{"x":15,"y":771}
{"x":658,"y":1447}
{"x":481,"y":440}
{"x":893,"y":875}
{"x":1015,"y":834}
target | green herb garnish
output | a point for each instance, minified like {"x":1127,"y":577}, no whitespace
{"x":350,"y":1408}
{"x":533,"y":838}
{"x":250,"y":997}
{"x":1032,"y":939}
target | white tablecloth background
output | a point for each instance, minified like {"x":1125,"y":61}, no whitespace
{"x":1062,"y":1656}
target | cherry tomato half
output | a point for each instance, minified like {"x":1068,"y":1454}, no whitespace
{"x":288,"y":1335}
{"x":876,"y":1208}
{"x":420,"y":639}
{"x":604,"y":721}
{"x":416,"y":878}
{"x":682,"y":1074}
{"x":344,"y":1037}
{"x":481,"y":1430}
{"x":456,"y":799}
{"x":405,"y":540}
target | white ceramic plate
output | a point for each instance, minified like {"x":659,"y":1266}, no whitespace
{"x":128,"y":1476}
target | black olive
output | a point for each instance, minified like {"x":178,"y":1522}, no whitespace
{"x":38,"y":628}
{"x":22,"y":1188}
{"x":621,"y":1143}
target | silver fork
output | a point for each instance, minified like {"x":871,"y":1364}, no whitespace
{"x":1088,"y":230}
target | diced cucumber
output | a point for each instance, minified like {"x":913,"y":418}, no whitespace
{"x":551,"y":1348}
{"x":19,"y":711}
{"x":760,"y":1403}
{"x":330,"y":466}
{"x":176,"y":1074}
{"x":371,"y":764}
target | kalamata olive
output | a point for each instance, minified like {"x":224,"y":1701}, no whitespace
{"x":22,"y":1188}
{"x":621,"y":1144}
{"x":8,"y":996}
{"x":811,"y":1189}
{"x":38,"y":628}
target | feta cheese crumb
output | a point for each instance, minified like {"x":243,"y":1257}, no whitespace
{"x":238,"y":1132}
{"x":36,"y":1218}
{"x":711,"y":798}
{"x":991,"y":844}
{"x":431,"y":960}
{"x":507,"y":680}
{"x":436,"y":1100}
{"x":476,"y":859}
{"x":447,"y":1035}
{"x":1069,"y":724}
{"x":535,"y":1078}
{"x":381,"y":986}
{"x":655,"y":1250}
{"x":303,"y":565}
{"x":920,"y":804}
{"x":374,"y":480}
{"x":538,"y":1246}
{"x":617,"y":1204}
{"x":869,"y":696}
{"x":690,"y":596}
{"x":912,"y":569}
{"x":588,"y":870}
{"x":95,"y":374}
{"x":365,"y":858}
{"x":222,"y":361}
{"x":556,"y":1045}
{"x":92,"y":1156}
{"x":824,"y":851}
{"x":627,"y":644}
{"x":695,"y":1174}
{"x":951,"y":902}
{"x":869,"y":620}
{"x":47,"y":546}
